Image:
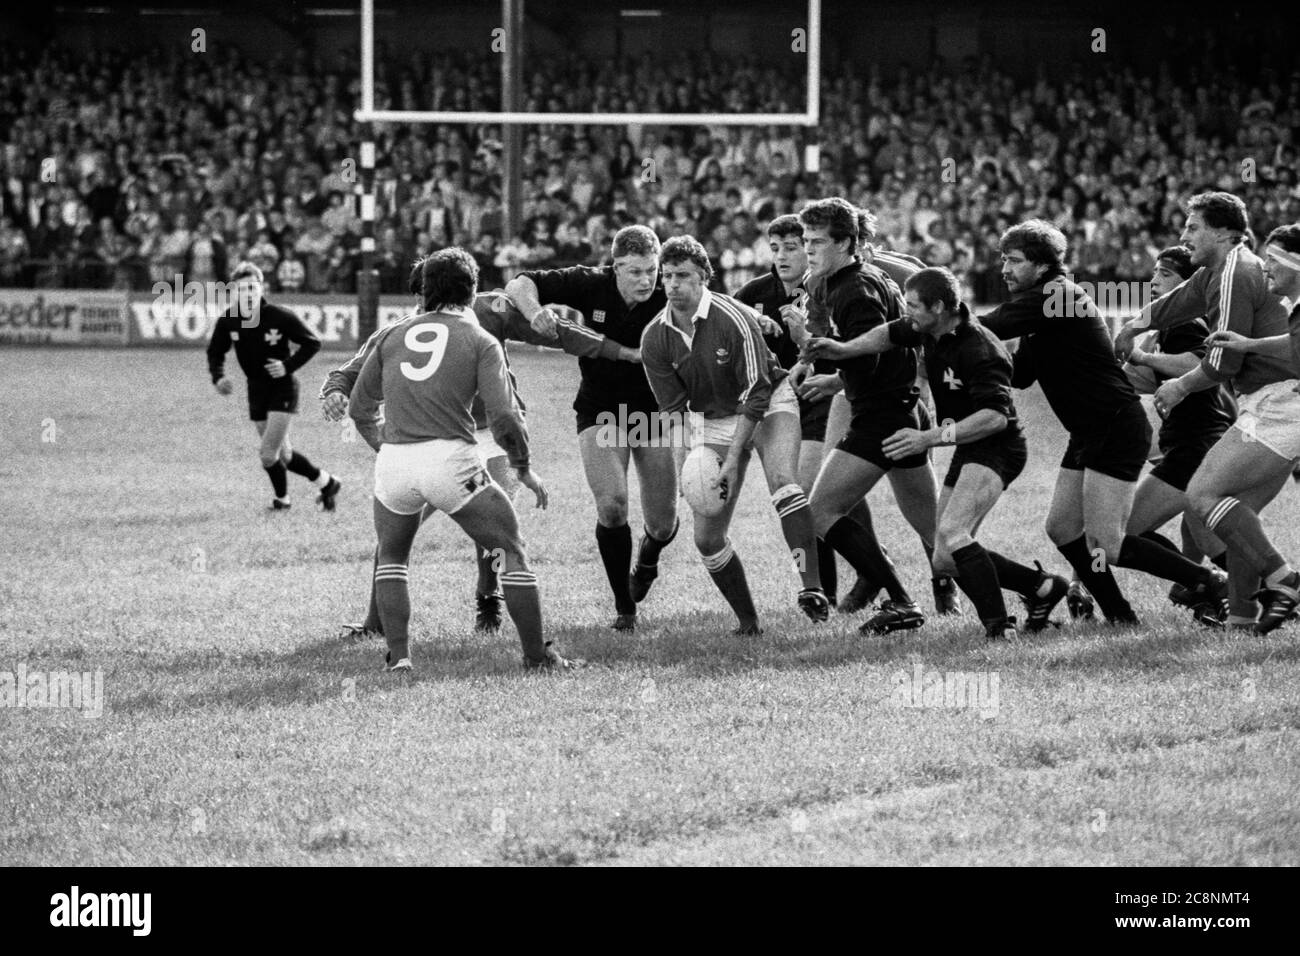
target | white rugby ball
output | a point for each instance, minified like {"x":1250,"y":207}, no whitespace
{"x":700,"y":473}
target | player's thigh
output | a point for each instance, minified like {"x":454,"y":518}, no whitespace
{"x":1234,"y":465}
{"x":490,"y":520}
{"x":1065,"y":513}
{"x":395,"y":532}
{"x":810,"y":462}
{"x":1155,"y":502}
{"x":837,"y":422}
{"x":843,"y":481}
{"x":916,"y":492}
{"x":656,"y":471}
{"x":777,"y":443}
{"x":498,"y":467}
{"x":1107,"y":504}
{"x":605,"y":465}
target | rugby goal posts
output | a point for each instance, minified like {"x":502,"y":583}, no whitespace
{"x":367,"y":115}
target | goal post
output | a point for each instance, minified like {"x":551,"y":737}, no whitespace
{"x":367,"y":116}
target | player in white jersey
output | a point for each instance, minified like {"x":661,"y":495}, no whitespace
{"x":427,"y":370}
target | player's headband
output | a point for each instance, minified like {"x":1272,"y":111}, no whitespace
{"x":1289,"y":259}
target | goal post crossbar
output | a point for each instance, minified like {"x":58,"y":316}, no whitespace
{"x":809,"y":117}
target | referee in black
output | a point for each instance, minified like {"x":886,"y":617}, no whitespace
{"x":619,"y":301}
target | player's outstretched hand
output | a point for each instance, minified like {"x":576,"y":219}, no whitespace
{"x":334,"y":405}
{"x":823,"y":348}
{"x":768,"y":325}
{"x":818,"y":387}
{"x":529,"y":479}
{"x":275,"y":368}
{"x":729,"y":476}
{"x":904,"y":443}
{"x":546,"y":322}
{"x":796,"y":320}
{"x":1227,"y":339}
{"x":225,"y":386}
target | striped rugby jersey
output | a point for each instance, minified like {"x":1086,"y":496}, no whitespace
{"x":723,"y":369}
{"x":1235,"y":297}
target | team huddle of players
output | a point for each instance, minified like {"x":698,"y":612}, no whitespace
{"x":822,"y":367}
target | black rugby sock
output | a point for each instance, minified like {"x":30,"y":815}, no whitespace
{"x":615,"y":546}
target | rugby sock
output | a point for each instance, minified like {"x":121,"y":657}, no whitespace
{"x":487,"y":570}
{"x":524,"y":605}
{"x":1243,"y":582}
{"x":394,"y":600}
{"x":372,"y":612}
{"x":861,"y":549}
{"x":279,"y":480}
{"x":1191,"y":548}
{"x":826,"y":567}
{"x":1282,"y":577}
{"x":1143,"y":554}
{"x":1015,"y":576}
{"x":791,"y":506}
{"x":1101,"y":584}
{"x":615,"y":546}
{"x":647,"y":552}
{"x":861,"y":513}
{"x":301,"y":465}
{"x":938,"y":581}
{"x":978,"y":578}
{"x":1157,"y":538}
{"x":729,"y":575}
{"x":1239,"y":528}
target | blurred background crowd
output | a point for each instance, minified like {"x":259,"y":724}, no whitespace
{"x":118,"y":171}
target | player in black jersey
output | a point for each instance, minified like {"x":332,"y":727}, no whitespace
{"x":1187,"y":432}
{"x":1066,"y":347}
{"x":970,"y":374}
{"x":883,"y":394}
{"x":260,"y":334}
{"x":618,"y":301}
{"x":778,"y":297}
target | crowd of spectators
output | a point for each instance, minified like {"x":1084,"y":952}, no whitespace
{"x":118,"y":171}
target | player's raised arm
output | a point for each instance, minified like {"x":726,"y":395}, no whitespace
{"x":524,"y":295}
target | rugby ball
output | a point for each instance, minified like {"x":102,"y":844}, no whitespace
{"x":700,"y":488}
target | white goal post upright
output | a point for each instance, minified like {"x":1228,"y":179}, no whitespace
{"x":367,"y":115}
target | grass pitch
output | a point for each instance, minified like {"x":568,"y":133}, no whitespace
{"x":238,"y":729}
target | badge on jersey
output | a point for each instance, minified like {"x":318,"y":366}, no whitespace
{"x":951,"y":380}
{"x":723,"y":355}
{"x":598,"y":315}
{"x":272,"y":336}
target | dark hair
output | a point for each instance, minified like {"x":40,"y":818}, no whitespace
{"x":837,"y":216}
{"x":866,"y":226}
{"x":1288,"y":237}
{"x":686,"y":249}
{"x":246,"y":270}
{"x":1041,"y":242}
{"x":1177,"y":258}
{"x":449,"y":277}
{"x":634,"y":241}
{"x":784,"y":226}
{"x":1220,"y":210}
{"x":935,"y":284}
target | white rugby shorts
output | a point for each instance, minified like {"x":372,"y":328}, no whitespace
{"x":445,"y":473}
{"x":1271,"y":416}
{"x":720,"y":431}
{"x":487,"y":445}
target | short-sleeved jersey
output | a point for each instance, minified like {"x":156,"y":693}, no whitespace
{"x":258,"y":341}
{"x":969,"y":369}
{"x":1234,"y":297}
{"x":1065,"y":345}
{"x":606,"y":382}
{"x":723,"y":369}
{"x":856,"y":299}
{"x":1203,"y":415}
{"x":426,"y":370}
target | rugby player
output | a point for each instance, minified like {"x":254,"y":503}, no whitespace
{"x":705,"y":352}
{"x":618,"y":300}
{"x":427,"y":369}
{"x":1186,"y":433}
{"x":970,"y":374}
{"x":1246,"y":468}
{"x":260,"y":334}
{"x":503,"y":322}
{"x":1065,"y":346}
{"x":882,"y":393}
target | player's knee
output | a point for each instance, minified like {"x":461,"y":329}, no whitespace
{"x":1060,"y":531}
{"x":949,"y":539}
{"x":1202,"y":499}
{"x":611,"y":511}
{"x":269,"y":457}
{"x":708,"y":543}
